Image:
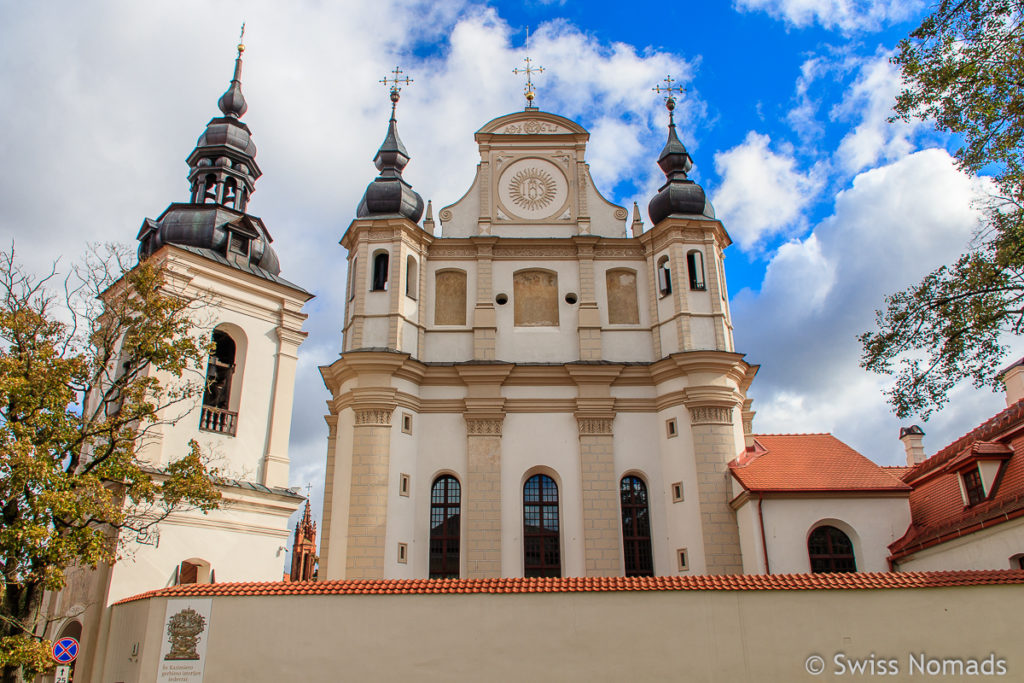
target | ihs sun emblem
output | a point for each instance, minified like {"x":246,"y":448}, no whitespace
{"x":532,"y":189}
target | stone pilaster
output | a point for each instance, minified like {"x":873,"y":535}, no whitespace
{"x":711,"y":426}
{"x":481,"y":500}
{"x":589,"y":322}
{"x":327,"y":520}
{"x":368,"y":502}
{"x":485,"y":323}
{"x":275,"y":460}
{"x":601,"y":522}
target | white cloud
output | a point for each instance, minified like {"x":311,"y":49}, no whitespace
{"x":891,"y":226}
{"x":869,"y":101}
{"x":762,"y":192}
{"x":112,"y":96}
{"x":844,"y":15}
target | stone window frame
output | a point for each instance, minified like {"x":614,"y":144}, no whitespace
{"x":695,"y":270}
{"x":381,"y":262}
{"x":444,"y":505}
{"x":404,"y":484}
{"x":406,"y":423}
{"x":636,"y":293}
{"x":557,"y":479}
{"x":682,"y":560}
{"x":671,"y":428}
{"x":412,"y":278}
{"x":403,"y":553}
{"x":516,"y":323}
{"x":465,"y":298}
{"x":677,"y":491}
{"x":663,"y":276}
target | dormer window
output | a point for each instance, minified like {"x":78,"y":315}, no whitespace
{"x":238,"y":244}
{"x":974,"y":490}
{"x":980,"y":470}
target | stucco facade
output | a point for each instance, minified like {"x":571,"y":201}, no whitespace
{"x":533,"y":336}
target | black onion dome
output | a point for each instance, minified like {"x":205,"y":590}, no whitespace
{"x":389,"y":194}
{"x":232,"y":102}
{"x":679,"y":196}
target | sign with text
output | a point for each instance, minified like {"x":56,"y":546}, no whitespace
{"x":185,"y":634}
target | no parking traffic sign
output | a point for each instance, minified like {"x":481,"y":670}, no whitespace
{"x":65,"y":650}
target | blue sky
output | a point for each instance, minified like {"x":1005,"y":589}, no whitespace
{"x":830,"y":207}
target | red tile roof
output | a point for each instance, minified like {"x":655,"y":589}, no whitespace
{"x":937,"y":509}
{"x":810,"y":462}
{"x":997,"y":425}
{"x":737,"y":582}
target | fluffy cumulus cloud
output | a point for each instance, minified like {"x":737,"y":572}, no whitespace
{"x":843,"y":15}
{"x":762,"y":192}
{"x":868,"y":102}
{"x":892,"y":225}
{"x":112,"y":96}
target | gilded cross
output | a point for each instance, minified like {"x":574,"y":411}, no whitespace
{"x":393,"y":84}
{"x":670,"y":93}
{"x":309,"y":489}
{"x":529,"y":70}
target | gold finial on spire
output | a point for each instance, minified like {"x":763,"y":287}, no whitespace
{"x":241,"y":37}
{"x":393,"y":84}
{"x":670,"y":99}
{"x":529,"y":70}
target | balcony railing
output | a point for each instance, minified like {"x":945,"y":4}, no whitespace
{"x":217,"y":420}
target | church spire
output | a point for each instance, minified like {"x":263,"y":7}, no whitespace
{"x":222,"y":167}
{"x":679,"y":195}
{"x":232,"y":102}
{"x":389,"y":194}
{"x":304,"y":548}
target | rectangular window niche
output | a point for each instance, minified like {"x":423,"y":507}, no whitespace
{"x":403,"y":484}
{"x":403,"y":553}
{"x":682,"y":560}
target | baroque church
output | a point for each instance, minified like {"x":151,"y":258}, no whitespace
{"x":530,"y":386}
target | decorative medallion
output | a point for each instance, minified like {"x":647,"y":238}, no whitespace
{"x":532,"y":189}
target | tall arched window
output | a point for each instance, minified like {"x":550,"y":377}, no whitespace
{"x":830,"y":550}
{"x":216,"y":414}
{"x":636,"y":527}
{"x":664,"y":276}
{"x":541,"y":553}
{"x":380,"y":271}
{"x":445,"y":499}
{"x":695,"y":269}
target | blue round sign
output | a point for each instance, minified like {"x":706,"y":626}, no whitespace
{"x":65,"y":650}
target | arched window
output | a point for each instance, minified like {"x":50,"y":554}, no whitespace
{"x":450,"y":297}
{"x":620,"y":284}
{"x":412,"y":278}
{"x":536,"y":298}
{"x":636,"y":527}
{"x":541,"y":553}
{"x":216,"y":414}
{"x":664,"y":276}
{"x":445,"y":498}
{"x":380,"y":271}
{"x":194,"y":570}
{"x":695,"y":269}
{"x":352,"y":278}
{"x":830,"y":550}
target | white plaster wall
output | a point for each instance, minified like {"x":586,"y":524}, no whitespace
{"x":678,"y":464}
{"x":750,"y":538}
{"x":242,"y":542}
{"x":637,"y":452}
{"x":702,"y":332}
{"x":441,"y":449}
{"x":401,"y":512}
{"x":875,"y":522}
{"x":377,"y":302}
{"x":987,"y":549}
{"x":410,"y":339}
{"x":375,"y":333}
{"x":628,"y":346}
{"x":240,"y":456}
{"x":530,"y":440}
{"x":537,"y":344}
{"x":696,"y":300}
{"x":448,"y":347}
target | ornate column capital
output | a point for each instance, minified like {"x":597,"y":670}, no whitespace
{"x":593,"y":425}
{"x":376,"y":416}
{"x":483,"y":425}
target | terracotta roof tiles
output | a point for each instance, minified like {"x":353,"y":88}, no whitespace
{"x":810,"y":462}
{"x":738,"y":582}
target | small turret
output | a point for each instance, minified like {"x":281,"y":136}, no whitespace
{"x":389,"y":194}
{"x":679,"y":196}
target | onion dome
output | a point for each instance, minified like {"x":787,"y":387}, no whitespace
{"x":389,"y":194}
{"x":222,"y":174}
{"x":679,"y":196}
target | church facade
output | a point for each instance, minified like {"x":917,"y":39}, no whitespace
{"x":541,"y":389}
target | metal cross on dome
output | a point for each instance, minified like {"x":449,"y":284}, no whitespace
{"x":670,"y":93}
{"x":393,"y":84}
{"x":529,"y":70}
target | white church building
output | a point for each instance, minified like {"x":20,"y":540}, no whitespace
{"x":530,"y":386}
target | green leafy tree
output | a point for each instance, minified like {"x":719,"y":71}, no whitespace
{"x":85,"y":376}
{"x":963,"y":69}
